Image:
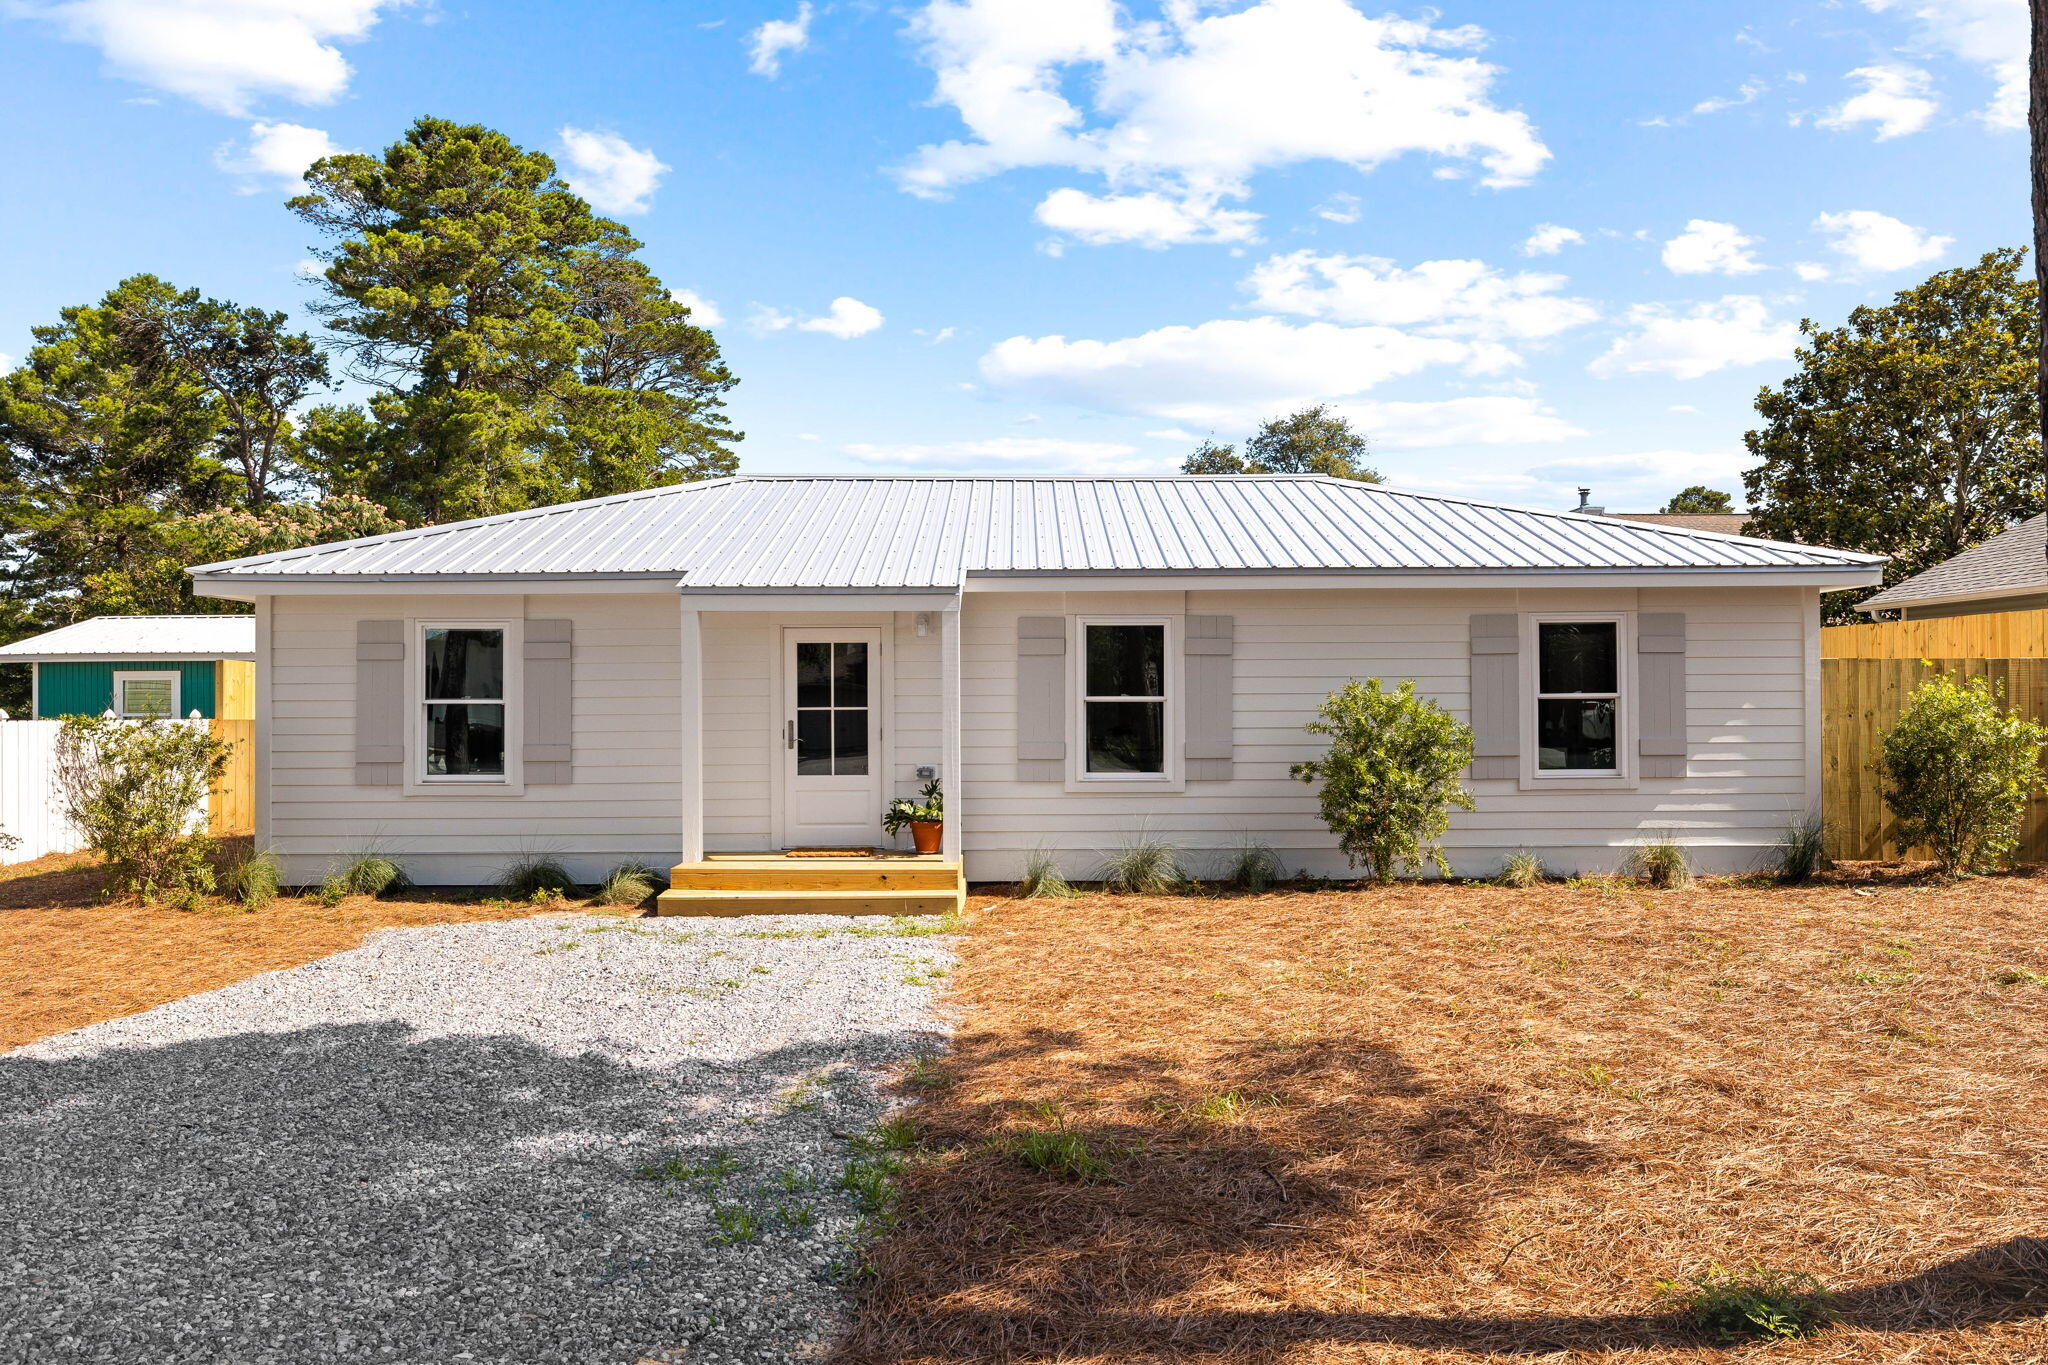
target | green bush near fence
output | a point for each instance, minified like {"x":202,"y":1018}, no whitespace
{"x":1958,"y":770}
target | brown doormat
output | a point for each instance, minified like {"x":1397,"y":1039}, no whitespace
{"x":828,"y":853}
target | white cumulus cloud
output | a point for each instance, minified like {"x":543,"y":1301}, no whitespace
{"x":1873,"y":241}
{"x":1686,"y":342}
{"x":846,"y":319}
{"x":768,"y":44}
{"x":1710,"y":248}
{"x":703,"y":311}
{"x":1149,"y":219}
{"x":1079,"y":84}
{"x":613,"y":174}
{"x":1448,"y":298}
{"x":1990,"y":34}
{"x":1490,"y":419}
{"x":222,"y":54}
{"x":1898,"y":98}
{"x":274,"y":156}
{"x":1230,"y":370}
{"x":1548,"y":239}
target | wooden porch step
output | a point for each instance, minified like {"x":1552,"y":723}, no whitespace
{"x":816,"y":874}
{"x":867,"y":900}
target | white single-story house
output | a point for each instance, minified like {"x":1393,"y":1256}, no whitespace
{"x":760,"y":662}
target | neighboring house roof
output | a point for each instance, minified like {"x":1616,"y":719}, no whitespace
{"x":895,"y":532}
{"x":139,"y":637}
{"x":2011,"y":563}
{"x":1727,"y":523}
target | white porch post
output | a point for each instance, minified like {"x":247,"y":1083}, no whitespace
{"x":691,"y":747}
{"x":949,"y":722}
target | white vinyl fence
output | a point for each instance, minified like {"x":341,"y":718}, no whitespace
{"x":28,"y":792}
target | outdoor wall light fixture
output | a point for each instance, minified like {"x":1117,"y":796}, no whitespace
{"x":924,"y":624}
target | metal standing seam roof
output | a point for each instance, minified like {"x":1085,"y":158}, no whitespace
{"x":932,"y":531}
{"x":2009,"y":563}
{"x":141,"y":637}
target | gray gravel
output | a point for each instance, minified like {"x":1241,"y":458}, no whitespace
{"x":434,"y":1148}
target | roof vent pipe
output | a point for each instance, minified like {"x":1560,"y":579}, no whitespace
{"x":1585,"y":504}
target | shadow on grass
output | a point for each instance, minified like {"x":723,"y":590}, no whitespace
{"x":354,"y":1192}
{"x":1328,"y":1139}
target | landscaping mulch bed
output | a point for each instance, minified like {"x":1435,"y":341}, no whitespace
{"x":1455,"y":1123}
{"x":68,"y":959}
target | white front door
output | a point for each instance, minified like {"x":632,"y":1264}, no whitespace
{"x":832,"y":737}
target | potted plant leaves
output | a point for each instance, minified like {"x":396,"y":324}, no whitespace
{"x":926,"y":817}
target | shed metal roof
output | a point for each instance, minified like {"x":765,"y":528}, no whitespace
{"x":140,"y":637}
{"x":2010,"y":563}
{"x":896,"y":532}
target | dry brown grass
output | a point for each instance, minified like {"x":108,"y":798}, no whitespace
{"x":1477,"y":1123}
{"x":68,"y":959}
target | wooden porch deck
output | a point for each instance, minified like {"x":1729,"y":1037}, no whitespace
{"x":777,"y":883}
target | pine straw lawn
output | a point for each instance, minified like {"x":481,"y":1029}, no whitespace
{"x":1455,"y":1123}
{"x":67,"y":959}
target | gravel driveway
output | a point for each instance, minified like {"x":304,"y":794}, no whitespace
{"x":574,"y":1139}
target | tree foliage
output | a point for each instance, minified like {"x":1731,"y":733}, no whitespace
{"x":1958,"y":769}
{"x":522,"y":355}
{"x":1911,"y":431}
{"x":1390,"y":779}
{"x":1312,"y":441}
{"x":136,"y":791}
{"x":1700,"y":498}
{"x":151,"y":405}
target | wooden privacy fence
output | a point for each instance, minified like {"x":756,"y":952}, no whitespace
{"x":1991,"y":635}
{"x":231,"y":809}
{"x":1862,"y":698}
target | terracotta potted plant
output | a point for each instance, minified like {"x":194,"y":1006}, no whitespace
{"x":926,"y":817}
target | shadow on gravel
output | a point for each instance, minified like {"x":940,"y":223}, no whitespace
{"x":358,"y":1192}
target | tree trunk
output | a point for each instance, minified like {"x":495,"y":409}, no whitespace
{"x":2037,"y":127}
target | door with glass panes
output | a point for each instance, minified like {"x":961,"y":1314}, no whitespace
{"x":831,"y":737}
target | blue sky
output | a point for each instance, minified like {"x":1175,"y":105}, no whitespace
{"x":1523,"y":246}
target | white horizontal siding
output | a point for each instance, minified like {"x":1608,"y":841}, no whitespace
{"x":625,"y":801}
{"x":1748,"y":770}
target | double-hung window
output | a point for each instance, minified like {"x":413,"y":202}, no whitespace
{"x":1124,"y":699}
{"x":1578,"y":697}
{"x":462,"y":700}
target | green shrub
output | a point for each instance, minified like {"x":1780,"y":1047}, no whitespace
{"x":1255,"y":868}
{"x":136,"y":791}
{"x":1663,"y":864}
{"x":1391,"y":776}
{"x":1521,"y":870}
{"x":534,"y":875}
{"x":1042,"y":879}
{"x":1957,"y":770}
{"x":1802,"y":850}
{"x":1144,"y":864}
{"x":254,"y":879}
{"x":1761,"y":1303}
{"x":627,"y":884}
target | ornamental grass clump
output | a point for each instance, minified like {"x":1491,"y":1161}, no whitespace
{"x":1144,"y":864}
{"x":1521,"y":870}
{"x":534,"y":876}
{"x":1042,"y":879}
{"x":1802,"y":851}
{"x":1958,"y":770}
{"x":1254,"y":868}
{"x":1390,"y":779}
{"x":627,"y":884}
{"x":136,"y":791}
{"x":1663,"y":864}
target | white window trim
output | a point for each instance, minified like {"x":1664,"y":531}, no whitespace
{"x":417,"y":781}
{"x":1625,"y":776}
{"x":1079,"y":779}
{"x":123,"y":675}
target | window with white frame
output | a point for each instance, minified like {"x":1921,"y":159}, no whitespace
{"x":139,"y":694}
{"x":1578,"y":696}
{"x":462,"y":703}
{"x":1123,"y":698}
